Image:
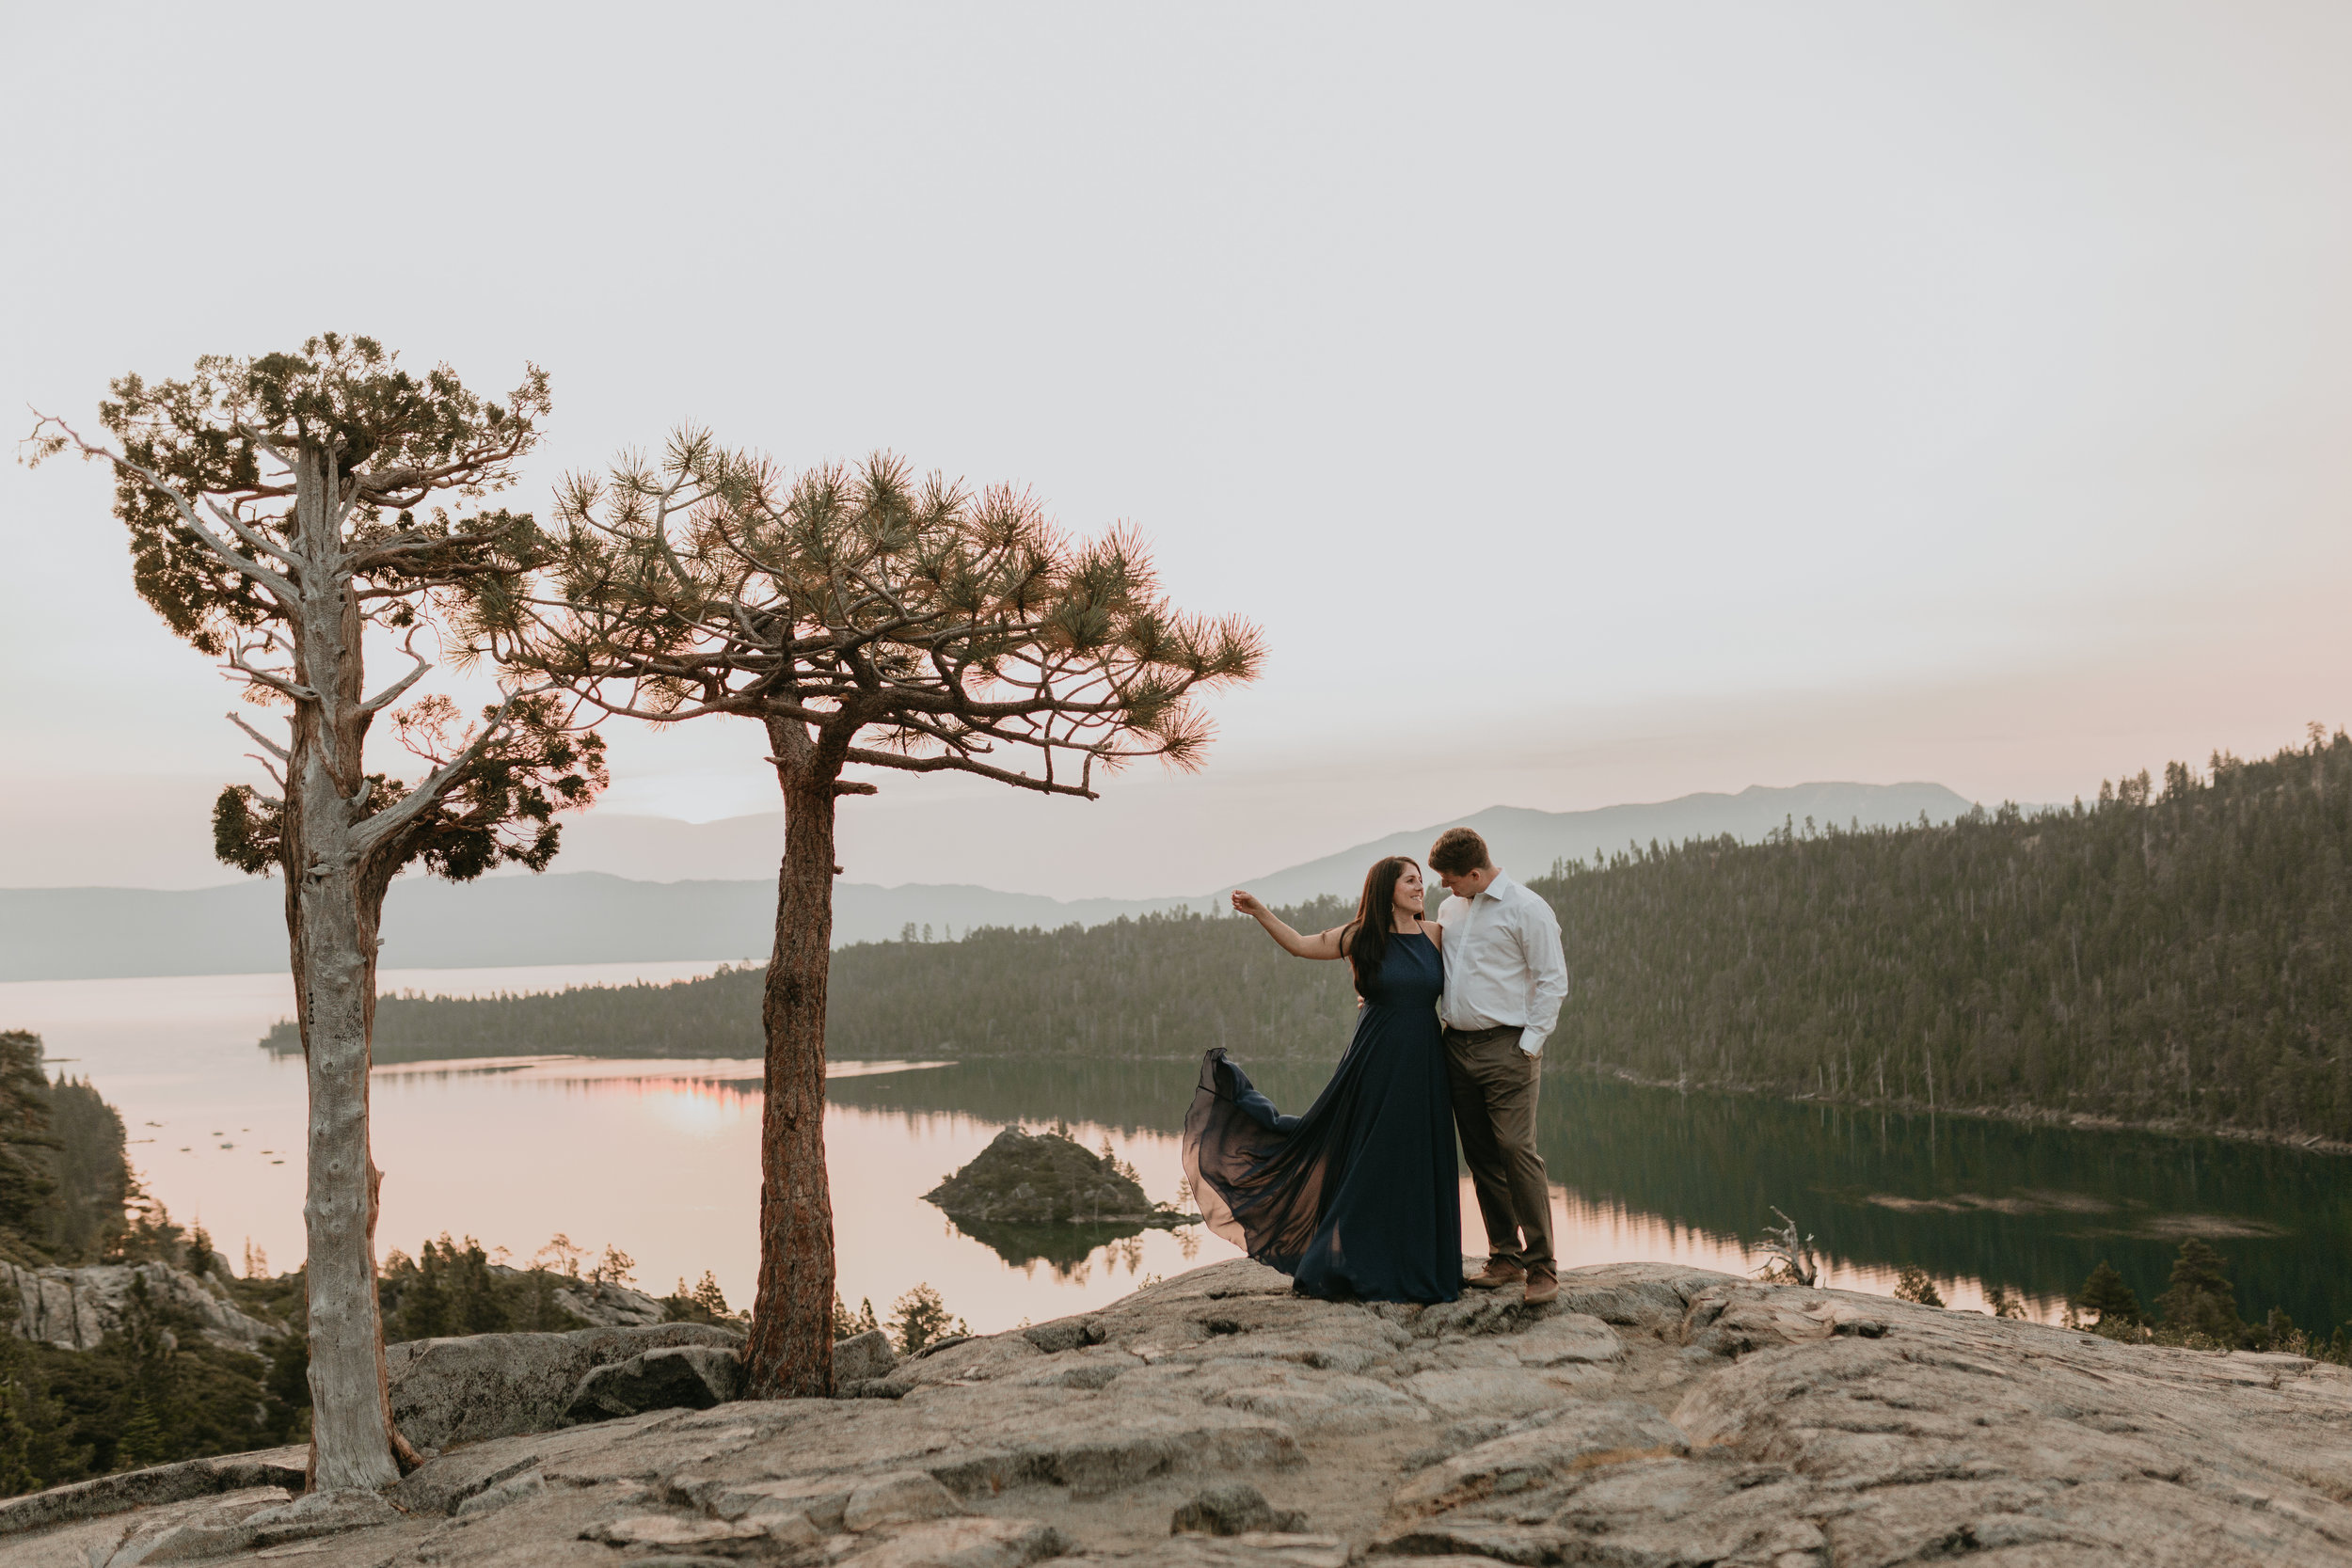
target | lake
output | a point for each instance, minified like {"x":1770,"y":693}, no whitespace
{"x":660,"y":1158}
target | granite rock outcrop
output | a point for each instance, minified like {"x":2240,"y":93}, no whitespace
{"x":1654,"y":1415}
{"x":75,"y":1308}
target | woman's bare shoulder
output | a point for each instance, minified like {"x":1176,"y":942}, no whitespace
{"x":1434,"y":931}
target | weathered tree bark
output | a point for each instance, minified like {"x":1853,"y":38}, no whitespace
{"x":790,"y":1352}
{"x":332,"y":924}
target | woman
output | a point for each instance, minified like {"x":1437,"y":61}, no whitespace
{"x":1358,"y":1198}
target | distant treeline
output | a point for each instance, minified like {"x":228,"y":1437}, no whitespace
{"x":714,"y":1017}
{"x":2180,"y":954}
{"x":1163,"y":985}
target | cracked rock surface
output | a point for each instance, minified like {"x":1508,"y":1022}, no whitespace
{"x":1654,"y":1415}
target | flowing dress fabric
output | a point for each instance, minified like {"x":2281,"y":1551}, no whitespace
{"x":1358,"y":1197}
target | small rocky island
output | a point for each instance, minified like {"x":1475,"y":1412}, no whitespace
{"x":1028,"y":1179}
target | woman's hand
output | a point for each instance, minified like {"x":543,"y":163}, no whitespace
{"x":1326,"y":945}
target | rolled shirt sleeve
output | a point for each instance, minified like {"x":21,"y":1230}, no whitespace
{"x":1547,"y":973}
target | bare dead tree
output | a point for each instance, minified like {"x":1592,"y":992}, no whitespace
{"x":274,"y":511}
{"x":868,"y":619}
{"x":1793,"y":1258}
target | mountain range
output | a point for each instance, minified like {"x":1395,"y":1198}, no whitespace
{"x":602,"y":914}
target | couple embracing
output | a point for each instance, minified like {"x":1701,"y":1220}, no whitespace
{"x":1357,"y":1199}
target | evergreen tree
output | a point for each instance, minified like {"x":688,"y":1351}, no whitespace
{"x":279,"y":509}
{"x":868,"y":622}
{"x":36,"y":1447}
{"x":423,"y":1309}
{"x":920,"y":1318}
{"x":1913,"y":1284}
{"x":145,"y":1349}
{"x":142,"y":1442}
{"x":28,"y":1146}
{"x":847,"y":1324}
{"x":288,"y":1379}
{"x":702,"y":1303}
{"x":2105,"y":1295}
{"x":538,"y":1311}
{"x":447,"y":1290}
{"x":87,"y":1217}
{"x":2201,"y":1300}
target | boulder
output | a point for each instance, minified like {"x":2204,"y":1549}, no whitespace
{"x":965,"y":1544}
{"x":611,"y":1305}
{"x":1232,"y":1508}
{"x":598,"y":1304}
{"x":675,"y":1377}
{"x":862,"y":1358}
{"x":1064,"y":1333}
{"x":902,"y":1496}
{"x":482,"y":1386}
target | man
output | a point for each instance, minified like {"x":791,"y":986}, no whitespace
{"x":1504,"y":981}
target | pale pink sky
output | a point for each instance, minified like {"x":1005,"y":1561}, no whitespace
{"x":1594,"y":402}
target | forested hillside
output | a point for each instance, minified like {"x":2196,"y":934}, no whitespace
{"x":2174,"y":954}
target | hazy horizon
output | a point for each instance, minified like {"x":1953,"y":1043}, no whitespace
{"x":1593,"y":405}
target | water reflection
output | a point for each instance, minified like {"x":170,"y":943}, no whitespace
{"x":1070,"y":1250}
{"x":661,"y":1158}
{"x":1693,"y":1177}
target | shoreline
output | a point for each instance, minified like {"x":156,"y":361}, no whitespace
{"x":2076,"y":1121}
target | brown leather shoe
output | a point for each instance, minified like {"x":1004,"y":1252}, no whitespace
{"x":1542,"y":1287}
{"x":1495,"y":1276}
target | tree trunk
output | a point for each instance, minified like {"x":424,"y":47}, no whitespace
{"x":790,"y":1354}
{"x":335,"y":975}
{"x":333,"y":900}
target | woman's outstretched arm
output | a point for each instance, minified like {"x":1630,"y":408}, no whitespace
{"x":1324,"y":944}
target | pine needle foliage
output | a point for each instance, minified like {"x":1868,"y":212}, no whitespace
{"x":2107,"y":1299}
{"x":908,"y":623}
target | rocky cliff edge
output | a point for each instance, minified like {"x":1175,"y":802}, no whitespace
{"x":1655,"y":1415}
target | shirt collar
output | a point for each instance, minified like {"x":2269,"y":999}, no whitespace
{"x":1496,"y":889}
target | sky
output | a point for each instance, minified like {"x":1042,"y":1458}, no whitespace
{"x":1592,"y":404}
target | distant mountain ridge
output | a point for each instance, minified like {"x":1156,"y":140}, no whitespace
{"x":1526,"y":842}
{"x":559,"y":918}
{"x":598,"y":917}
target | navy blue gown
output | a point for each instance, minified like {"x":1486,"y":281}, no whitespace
{"x":1357,"y":1199}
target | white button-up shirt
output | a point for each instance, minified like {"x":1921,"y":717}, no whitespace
{"x":1502,"y":962}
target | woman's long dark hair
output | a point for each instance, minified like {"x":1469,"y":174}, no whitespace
{"x":1375,"y":912}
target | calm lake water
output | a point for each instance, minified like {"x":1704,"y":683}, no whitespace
{"x":660,"y":1158}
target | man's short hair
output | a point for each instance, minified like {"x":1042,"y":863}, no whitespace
{"x":1458,"y":851}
